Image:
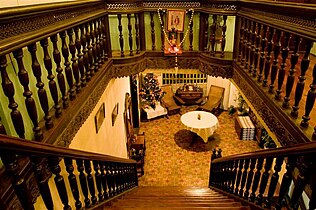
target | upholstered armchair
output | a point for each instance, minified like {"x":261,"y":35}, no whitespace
{"x":214,"y":99}
{"x":168,"y":100}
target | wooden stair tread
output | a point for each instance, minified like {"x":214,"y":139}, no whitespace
{"x":166,"y":199}
{"x":175,"y":204}
{"x":182,"y":207}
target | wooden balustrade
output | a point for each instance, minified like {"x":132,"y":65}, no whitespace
{"x":110,"y":175}
{"x":299,"y":158}
{"x":84,"y":45}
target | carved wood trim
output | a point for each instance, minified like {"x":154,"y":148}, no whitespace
{"x":280,"y":124}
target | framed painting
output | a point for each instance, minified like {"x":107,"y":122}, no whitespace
{"x":176,"y":20}
{"x":115,"y":113}
{"x":99,"y":117}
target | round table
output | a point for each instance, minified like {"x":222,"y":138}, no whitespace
{"x":200,"y":122}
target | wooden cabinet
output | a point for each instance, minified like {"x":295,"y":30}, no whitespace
{"x":190,"y":96}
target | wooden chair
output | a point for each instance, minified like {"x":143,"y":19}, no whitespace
{"x":214,"y":99}
{"x":168,"y":100}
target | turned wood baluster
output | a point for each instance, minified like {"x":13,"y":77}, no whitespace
{"x":43,"y":175}
{"x":274,"y":181}
{"x":119,"y":178}
{"x":90,"y":49}
{"x":51,"y":83}
{"x":130,"y":37}
{"x":257,"y":45}
{"x":248,"y":45}
{"x":244,"y":177}
{"x":264,"y":179}
{"x":212,"y":36}
{"x":262,"y":54}
{"x":256,"y":180}
{"x":310,"y":100}
{"x":137,"y":37}
{"x":115,"y":178}
{"x":286,"y":181}
{"x":8,"y":90}
{"x":88,"y":170}
{"x":85,"y":54}
{"x":21,"y":189}
{"x":83,"y":183}
{"x":267,"y":65}
{"x":74,"y":59}
{"x":233,"y":175}
{"x":231,"y":179}
{"x":206,"y":32}
{"x":73,"y":182}
{"x":120,"y":28}
{"x":29,"y":101}
{"x":304,"y":167}
{"x":281,"y":75}
{"x":82,"y":82}
{"x":226,"y":178}
{"x":41,"y":92}
{"x":68,"y":72}
{"x":94,"y":39}
{"x":152,"y":24}
{"x":301,"y":83}
{"x":312,"y":201}
{"x":291,"y":76}
{"x":252,"y":47}
{"x":224,"y":28}
{"x":104,"y":180}
{"x":125,"y":177}
{"x":241,"y":39}
{"x":59,"y":70}
{"x":98,"y":180}
{"x":100,"y":43}
{"x":109,"y":175}
{"x":106,"y":53}
{"x":53,"y":163}
{"x":250,"y":177}
{"x":274,"y":68}
{"x":244,"y":46}
{"x":239,"y":173}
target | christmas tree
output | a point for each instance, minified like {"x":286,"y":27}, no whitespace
{"x":150,"y":92}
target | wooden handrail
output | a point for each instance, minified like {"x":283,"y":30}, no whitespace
{"x":299,"y":149}
{"x":21,"y":146}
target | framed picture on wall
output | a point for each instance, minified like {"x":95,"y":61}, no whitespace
{"x":99,"y":117}
{"x":115,"y":113}
{"x":176,"y":20}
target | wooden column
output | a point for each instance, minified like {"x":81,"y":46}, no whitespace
{"x":224,"y":28}
{"x":120,"y":28}
{"x":41,"y":92}
{"x":59,"y":70}
{"x":301,"y":83}
{"x":8,"y":90}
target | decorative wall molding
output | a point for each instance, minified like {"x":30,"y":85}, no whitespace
{"x":128,"y":69}
{"x":169,"y":62}
{"x":220,"y":6}
{"x":216,"y":70}
{"x":274,"y":119}
{"x":175,"y":4}
{"x":123,"y":6}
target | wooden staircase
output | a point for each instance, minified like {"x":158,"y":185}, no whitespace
{"x":156,"y":198}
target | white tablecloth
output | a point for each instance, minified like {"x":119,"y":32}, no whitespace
{"x":152,"y":113}
{"x":204,"y":127}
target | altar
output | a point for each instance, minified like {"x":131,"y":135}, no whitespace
{"x":200,"y":122}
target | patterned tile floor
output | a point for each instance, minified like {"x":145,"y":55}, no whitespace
{"x":172,"y":159}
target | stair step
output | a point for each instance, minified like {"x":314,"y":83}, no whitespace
{"x":174,"y":204}
{"x":182,"y":207}
{"x":185,"y":199}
